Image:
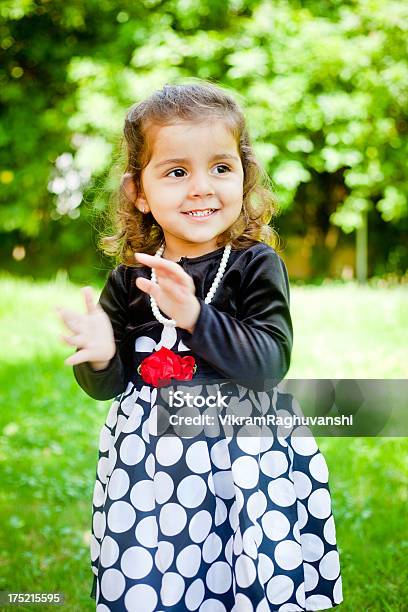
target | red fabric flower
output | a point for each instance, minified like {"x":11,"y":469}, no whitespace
{"x":161,"y":366}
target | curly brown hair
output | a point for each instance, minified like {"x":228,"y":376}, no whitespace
{"x":194,"y":102}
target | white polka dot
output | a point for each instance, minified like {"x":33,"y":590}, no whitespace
{"x":219,"y":578}
{"x":200,"y":526}
{"x":210,"y":483}
{"x":121,"y":422}
{"x":94,"y":548}
{"x":100,"y":607}
{"x":249,"y":441}
{"x":173,"y":519}
{"x":128,"y":402}
{"x":242,"y":603}
{"x":104,"y":439}
{"x":303,"y":486}
{"x":279,"y":589}
{"x":289,"y":608}
{"x":265,"y":568}
{"x":164,"y":556}
{"x":282,"y":492}
{"x":221,"y":512}
{"x":224,"y":484}
{"x":263,"y":606}
{"x":98,"y":494}
{"x":121,"y":516}
{"x":136,"y":562}
{"x":142,"y":495}
{"x":134,"y":420}
{"x":338,"y":591}
{"x":147,"y":531}
{"x":112,"y":414}
{"x":246,"y":472}
{"x":311,"y":577}
{"x":132,"y":449}
{"x":296,"y":532}
{"x":220,"y":455}
{"x":212,"y":605}
{"x":303,"y":442}
{"x":113,"y":455}
{"x":275,"y":525}
{"x":163,"y":487}
{"x":301,"y":595}
{"x":212,"y":548}
{"x":318,"y":602}
{"x":312,"y":547}
{"x":188,"y":561}
{"x":319,"y":503}
{"x":288,"y":554}
{"x":169,"y":450}
{"x":274,"y":463}
{"x":172,"y":588}
{"x":109,"y":551}
{"x":318,"y":468}
{"x":150,"y":466}
{"x":99,"y":524}
{"x":329,"y":566}
{"x":239,"y":498}
{"x":245,"y":571}
{"x":141,"y":598}
{"x":197,"y":457}
{"x":251,"y":540}
{"x":195,"y":594}
{"x":238,"y":547}
{"x":144,"y":344}
{"x":329,"y":531}
{"x":191,"y":491}
{"x":103,"y":469}
{"x":302,"y":515}
{"x":118,"y":484}
{"x":234,"y":516}
{"x":256,"y":505}
{"x":112,"y":584}
{"x":228,"y":550}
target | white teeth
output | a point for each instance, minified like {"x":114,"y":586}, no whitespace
{"x":201,"y":213}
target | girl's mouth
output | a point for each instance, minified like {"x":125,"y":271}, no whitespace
{"x":201,"y":214}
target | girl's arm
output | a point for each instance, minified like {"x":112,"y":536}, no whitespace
{"x":108,"y":383}
{"x":253,"y":349}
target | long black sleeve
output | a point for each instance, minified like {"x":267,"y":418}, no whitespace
{"x":106,"y":384}
{"x":255,"y":346}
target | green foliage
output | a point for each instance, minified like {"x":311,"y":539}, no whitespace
{"x":322,"y":84}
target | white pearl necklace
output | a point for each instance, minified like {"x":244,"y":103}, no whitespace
{"x":210,"y":294}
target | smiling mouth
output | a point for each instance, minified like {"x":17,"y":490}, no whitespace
{"x":201,"y":213}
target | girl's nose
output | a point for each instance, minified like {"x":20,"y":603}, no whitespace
{"x":201,"y":185}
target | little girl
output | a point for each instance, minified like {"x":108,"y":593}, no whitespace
{"x":212,"y":523}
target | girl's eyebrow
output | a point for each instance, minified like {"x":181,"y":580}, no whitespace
{"x":181,"y":160}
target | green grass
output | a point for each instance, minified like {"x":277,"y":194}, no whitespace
{"x":50,"y":432}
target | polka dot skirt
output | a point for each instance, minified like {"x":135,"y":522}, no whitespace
{"x":212,"y":524}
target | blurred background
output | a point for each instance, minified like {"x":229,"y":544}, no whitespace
{"x":323,"y":85}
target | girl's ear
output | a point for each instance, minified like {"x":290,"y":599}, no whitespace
{"x":129,"y":187}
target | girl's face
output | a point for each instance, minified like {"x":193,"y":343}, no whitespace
{"x":194,"y":168}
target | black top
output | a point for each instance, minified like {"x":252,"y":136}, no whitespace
{"x":244,"y":335}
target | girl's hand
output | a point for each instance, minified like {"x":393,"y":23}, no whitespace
{"x":93,"y":333}
{"x":174,"y":293}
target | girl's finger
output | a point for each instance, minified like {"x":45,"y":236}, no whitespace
{"x":158,"y":263}
{"x":88,"y":294}
{"x":176,"y":291}
{"x":77,"y":340}
{"x":70,"y":319}
{"x":149,"y":287}
{"x":78,"y":357}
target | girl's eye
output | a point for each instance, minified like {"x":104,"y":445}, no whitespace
{"x":181,"y":170}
